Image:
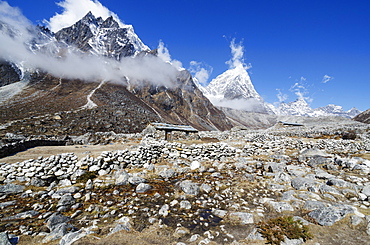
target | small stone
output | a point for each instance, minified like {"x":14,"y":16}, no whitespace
{"x":206,"y":188}
{"x":164,"y":210}
{"x":77,"y":195}
{"x":195,"y":165}
{"x":189,"y":187}
{"x":185,"y":204}
{"x":89,"y":184}
{"x":94,"y":168}
{"x":142,"y":188}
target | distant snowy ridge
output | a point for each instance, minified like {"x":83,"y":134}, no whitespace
{"x":301,"y":108}
{"x":234,"y":89}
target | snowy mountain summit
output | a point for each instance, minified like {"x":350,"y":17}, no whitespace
{"x":233,"y":84}
{"x":234,"y":89}
{"x":298,"y":107}
{"x":102,"y":37}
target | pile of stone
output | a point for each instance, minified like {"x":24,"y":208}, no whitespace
{"x":199,"y":192}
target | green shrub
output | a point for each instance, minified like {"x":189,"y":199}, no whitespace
{"x":275,"y":230}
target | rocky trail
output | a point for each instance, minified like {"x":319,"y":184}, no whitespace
{"x":283,"y":185}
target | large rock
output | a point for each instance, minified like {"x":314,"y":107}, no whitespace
{"x":11,"y":189}
{"x":4,"y":240}
{"x":329,"y":215}
{"x":313,"y":152}
{"x":121,"y":177}
{"x":58,"y":232}
{"x":55,"y":219}
{"x":302,"y":183}
{"x":66,"y":200}
{"x":23,"y":215}
{"x":281,"y":206}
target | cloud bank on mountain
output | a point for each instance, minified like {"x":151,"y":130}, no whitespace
{"x":17,"y":35}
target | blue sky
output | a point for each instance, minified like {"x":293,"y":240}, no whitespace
{"x":287,"y":42}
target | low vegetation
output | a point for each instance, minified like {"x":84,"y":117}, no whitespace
{"x":275,"y":230}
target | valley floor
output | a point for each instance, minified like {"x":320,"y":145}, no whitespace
{"x":213,"y":188}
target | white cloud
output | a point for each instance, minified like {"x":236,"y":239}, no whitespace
{"x":200,"y":71}
{"x":282,"y":97}
{"x":74,"y":10}
{"x":13,"y":15}
{"x":238,"y":104}
{"x":237,"y":52}
{"x":164,"y":55}
{"x":73,"y":65}
{"x":327,"y":78}
{"x":300,"y":89}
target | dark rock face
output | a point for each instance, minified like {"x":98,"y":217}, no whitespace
{"x":8,"y":73}
{"x":183,"y":104}
{"x":83,"y":35}
{"x":363,"y":117}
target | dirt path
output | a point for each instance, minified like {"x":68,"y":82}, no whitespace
{"x":79,"y":150}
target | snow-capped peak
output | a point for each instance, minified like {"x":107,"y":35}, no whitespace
{"x":233,"y":84}
{"x":102,"y":37}
{"x":297,"y":108}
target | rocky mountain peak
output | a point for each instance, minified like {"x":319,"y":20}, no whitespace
{"x":89,"y":18}
{"x":110,"y":23}
{"x":102,"y":37}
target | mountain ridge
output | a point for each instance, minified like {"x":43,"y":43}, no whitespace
{"x":234,"y":89}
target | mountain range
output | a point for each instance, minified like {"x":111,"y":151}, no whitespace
{"x":234,"y":89}
{"x":97,"y":75}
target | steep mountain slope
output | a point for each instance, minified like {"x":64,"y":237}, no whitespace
{"x":363,"y":117}
{"x":8,"y":73}
{"x":55,"y":106}
{"x":183,"y":104}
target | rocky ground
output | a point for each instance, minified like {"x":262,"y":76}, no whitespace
{"x":211,"y":188}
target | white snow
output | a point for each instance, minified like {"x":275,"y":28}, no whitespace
{"x":8,"y":91}
{"x":90,"y":104}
